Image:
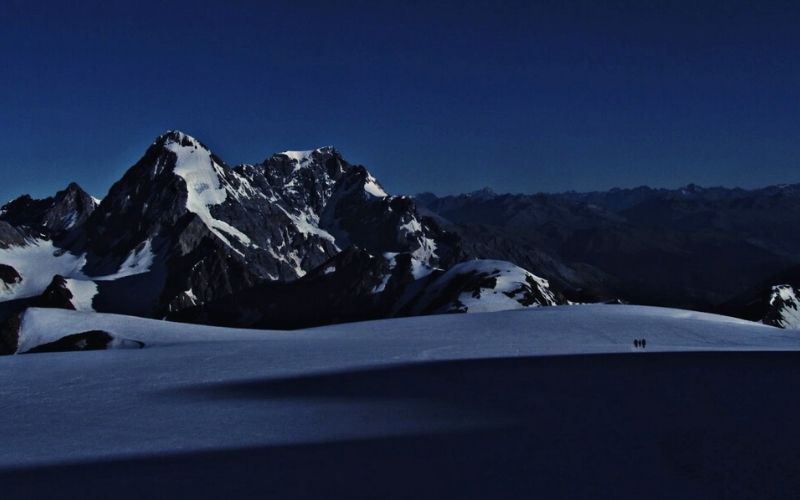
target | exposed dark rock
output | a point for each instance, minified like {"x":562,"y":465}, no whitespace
{"x":247,"y":246}
{"x":10,"y":236}
{"x":67,"y":211}
{"x":93,"y":340}
{"x":276,"y":222}
{"x":783,"y":308}
{"x":356,"y":286}
{"x":56,"y":295}
{"x":9,"y":334}
{"x":342,"y":294}
{"x":9,"y":276}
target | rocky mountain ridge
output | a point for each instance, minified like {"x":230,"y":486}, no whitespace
{"x":709,"y":249}
{"x":182,"y":231}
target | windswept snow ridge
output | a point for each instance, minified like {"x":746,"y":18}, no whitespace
{"x":42,"y":326}
{"x":534,"y":331}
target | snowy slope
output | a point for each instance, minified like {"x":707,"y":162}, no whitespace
{"x":195,"y":389}
{"x":540,"y":331}
{"x":37,"y":262}
{"x":41,"y":326}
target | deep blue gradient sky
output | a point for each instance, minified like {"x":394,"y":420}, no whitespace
{"x":439,"y":96}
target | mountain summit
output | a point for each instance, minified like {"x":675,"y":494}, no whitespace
{"x":182,"y":229}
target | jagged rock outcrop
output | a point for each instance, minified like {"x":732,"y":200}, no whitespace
{"x":9,"y":277}
{"x":784,"y":307}
{"x":481,"y":286}
{"x":212,"y":230}
{"x":10,"y":235}
{"x":357,"y":286}
{"x":56,"y":295}
{"x":52,"y":217}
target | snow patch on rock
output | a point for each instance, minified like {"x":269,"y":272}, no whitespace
{"x":373,"y":188}
{"x":307,"y":223}
{"x":139,"y":261}
{"x":420,"y":269}
{"x":202,"y":174}
{"x":502,"y":286}
{"x":83,"y":292}
{"x":426,"y":249}
{"x":784,"y":299}
{"x":300,"y":158}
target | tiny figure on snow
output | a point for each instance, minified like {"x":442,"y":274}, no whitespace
{"x":643,"y":343}
{"x":635,"y":343}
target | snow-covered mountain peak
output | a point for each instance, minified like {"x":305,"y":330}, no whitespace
{"x":178,"y":137}
{"x":206,"y":230}
{"x":299,"y":159}
{"x":204,"y":184}
{"x":74,"y":187}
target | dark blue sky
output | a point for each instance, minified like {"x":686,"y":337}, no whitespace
{"x":440,"y":96}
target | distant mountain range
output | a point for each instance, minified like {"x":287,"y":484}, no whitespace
{"x":711,"y":249}
{"x":305,"y":238}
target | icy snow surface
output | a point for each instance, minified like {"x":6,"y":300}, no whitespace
{"x":83,"y":292}
{"x":68,"y":407}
